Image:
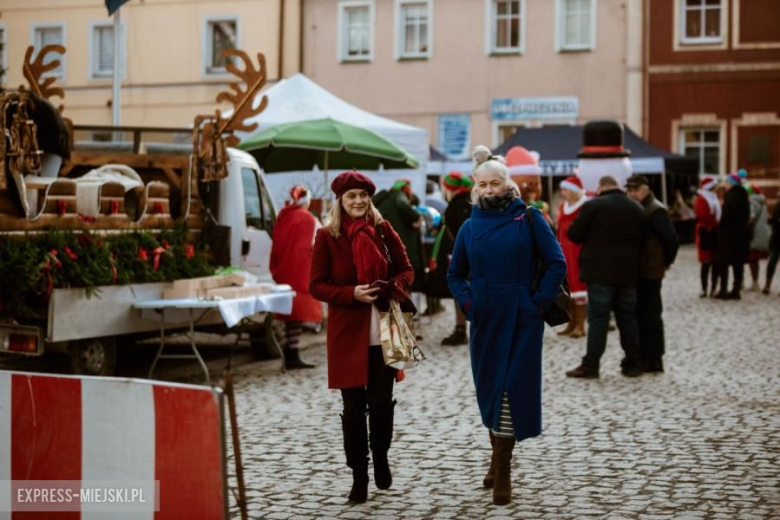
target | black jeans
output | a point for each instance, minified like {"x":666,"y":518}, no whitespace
{"x":649,"y":309}
{"x":379,"y":389}
{"x":622,"y":300}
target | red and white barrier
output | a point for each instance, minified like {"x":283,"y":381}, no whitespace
{"x":104,"y":429}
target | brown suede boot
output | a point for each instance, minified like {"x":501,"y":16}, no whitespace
{"x":490,"y":477}
{"x":502,"y":488}
{"x":569,"y":326}
{"x":579,"y":317}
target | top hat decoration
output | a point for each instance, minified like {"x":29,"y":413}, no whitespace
{"x":603,"y":140}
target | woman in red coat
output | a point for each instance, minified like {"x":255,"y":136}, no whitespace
{"x":359,"y":264}
{"x":574,"y":193}
{"x":707,"y":208}
{"x":291,"y":264}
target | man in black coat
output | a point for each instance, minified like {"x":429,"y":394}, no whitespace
{"x":734,"y":235}
{"x":610,"y":229}
{"x":659,"y":250}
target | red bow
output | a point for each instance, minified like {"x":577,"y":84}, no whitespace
{"x":70,"y":253}
{"x":158,"y":207}
{"x":62,"y":207}
{"x":189,"y":250}
{"x":142,"y":255}
{"x":86,"y":218}
{"x":157,"y":253}
{"x":114,"y":207}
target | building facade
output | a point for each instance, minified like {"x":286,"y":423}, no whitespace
{"x":472,"y":71}
{"x":172,"y":61}
{"x":713,"y":84}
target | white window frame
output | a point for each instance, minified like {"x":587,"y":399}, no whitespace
{"x":491,"y":35}
{"x":64,"y":57}
{"x":99,"y":24}
{"x":4,"y":55}
{"x":206,"y":43}
{"x":400,"y":31}
{"x":343,"y":44}
{"x":702,"y":40}
{"x":560,"y":29}
{"x":701,"y":144}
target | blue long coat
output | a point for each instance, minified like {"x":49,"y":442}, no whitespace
{"x":491,"y":275}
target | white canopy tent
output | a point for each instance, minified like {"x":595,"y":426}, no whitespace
{"x":299,"y":99}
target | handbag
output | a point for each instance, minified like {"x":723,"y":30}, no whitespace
{"x":558,"y":312}
{"x":399,"y":342}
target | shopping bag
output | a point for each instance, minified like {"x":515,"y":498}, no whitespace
{"x":399,"y":342}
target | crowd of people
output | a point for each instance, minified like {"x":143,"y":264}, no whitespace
{"x":611,"y":248}
{"x":734,"y":229}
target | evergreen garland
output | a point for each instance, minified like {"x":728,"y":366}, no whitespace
{"x":32,"y":266}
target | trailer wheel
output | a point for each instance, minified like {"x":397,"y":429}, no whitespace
{"x":93,"y":357}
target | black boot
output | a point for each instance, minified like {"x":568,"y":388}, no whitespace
{"x":356,"y":448}
{"x":293,"y":361}
{"x":380,"y":422}
{"x":458,"y":337}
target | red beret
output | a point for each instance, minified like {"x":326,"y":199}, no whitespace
{"x":352,"y":181}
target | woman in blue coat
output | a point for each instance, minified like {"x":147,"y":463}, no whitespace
{"x":491,"y":277}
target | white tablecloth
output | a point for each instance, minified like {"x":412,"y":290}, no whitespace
{"x":233,"y":310}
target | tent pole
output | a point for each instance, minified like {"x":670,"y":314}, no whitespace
{"x":663,"y":189}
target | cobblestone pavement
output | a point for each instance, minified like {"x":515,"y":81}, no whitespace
{"x":700,"y":441}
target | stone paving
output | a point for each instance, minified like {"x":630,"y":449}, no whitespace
{"x":699,"y":441}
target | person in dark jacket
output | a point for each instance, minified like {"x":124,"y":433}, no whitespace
{"x":395,"y":205}
{"x":774,"y":248}
{"x":734,"y":237}
{"x":610,"y":229}
{"x":659,"y":250}
{"x":458,"y":192}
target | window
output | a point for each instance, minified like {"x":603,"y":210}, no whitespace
{"x":414,"y":28}
{"x":253,"y":208}
{"x":102,"y":49}
{"x":221,"y":34}
{"x":576,"y":24}
{"x":53,"y":34}
{"x":356,"y":28}
{"x":506,"y":26}
{"x":702,"y":144}
{"x":702,"y":21}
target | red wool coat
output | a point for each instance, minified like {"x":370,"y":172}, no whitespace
{"x":291,"y":261}
{"x":333,"y":280}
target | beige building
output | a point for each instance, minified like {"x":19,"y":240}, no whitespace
{"x":472,"y":71}
{"x":172,"y":64}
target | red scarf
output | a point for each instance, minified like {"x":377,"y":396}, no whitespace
{"x":371,"y":263}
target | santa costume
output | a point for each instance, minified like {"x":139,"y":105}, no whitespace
{"x":567,"y":213}
{"x":708,"y":210}
{"x":290,"y":264}
{"x":524,"y":170}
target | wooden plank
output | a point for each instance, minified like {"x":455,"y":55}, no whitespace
{"x":133,"y":160}
{"x":173,"y":177}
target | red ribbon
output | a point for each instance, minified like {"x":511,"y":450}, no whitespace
{"x":86,"y":218}
{"x":114,"y":207}
{"x":158,"y":207}
{"x":602,"y":149}
{"x":62,"y":207}
{"x":142,"y":254}
{"x":157,"y":253}
{"x":70,"y":253}
{"x":189,"y":250}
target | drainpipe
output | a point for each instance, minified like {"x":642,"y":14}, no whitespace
{"x":300,"y":35}
{"x":281,"y":40}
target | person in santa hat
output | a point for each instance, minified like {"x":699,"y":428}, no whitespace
{"x":290,"y":264}
{"x":574,"y":196}
{"x":457,"y":190}
{"x":708,"y":211}
{"x":524,"y":170}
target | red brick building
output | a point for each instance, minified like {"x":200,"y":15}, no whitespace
{"x":713,"y":84}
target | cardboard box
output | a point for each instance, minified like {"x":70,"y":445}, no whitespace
{"x":204,"y":283}
{"x":240,"y":292}
{"x":182,"y":294}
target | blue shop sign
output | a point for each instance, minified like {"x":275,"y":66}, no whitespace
{"x":454,"y":135}
{"x":513,"y":109}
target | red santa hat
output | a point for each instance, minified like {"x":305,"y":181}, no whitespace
{"x":708,"y":183}
{"x":520,"y":161}
{"x":573,"y":183}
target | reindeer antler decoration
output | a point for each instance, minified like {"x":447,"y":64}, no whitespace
{"x":210,"y":141}
{"x":34,"y":71}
